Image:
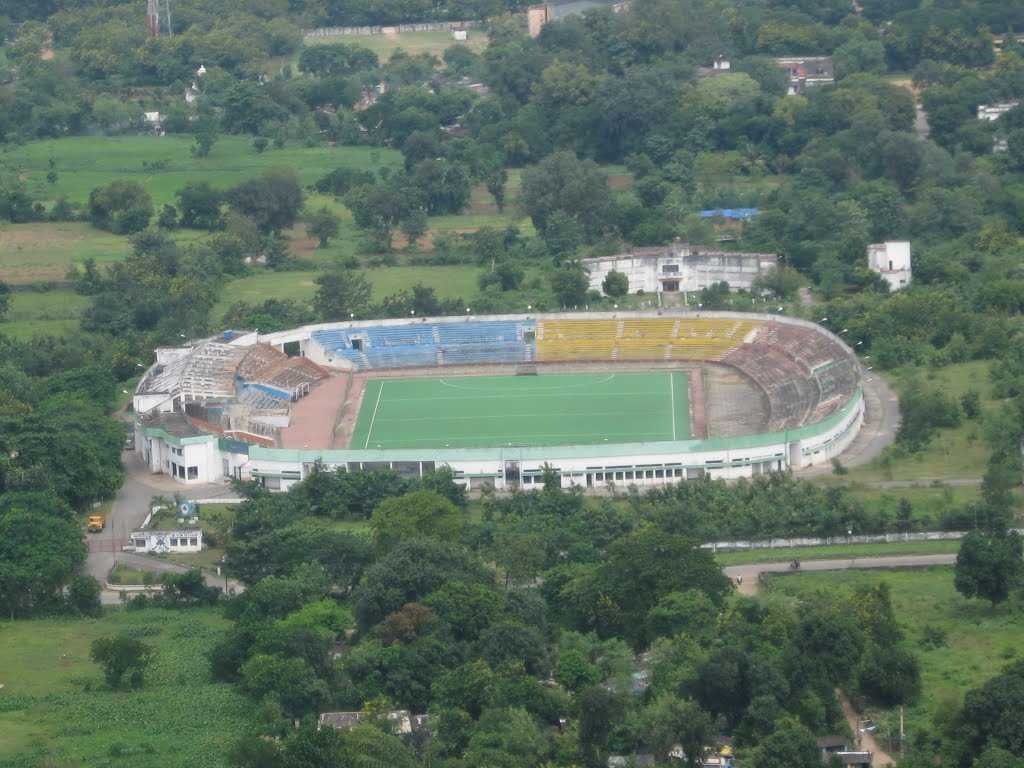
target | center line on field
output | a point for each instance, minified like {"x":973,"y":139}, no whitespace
{"x":672,"y":399}
{"x":374,"y":417}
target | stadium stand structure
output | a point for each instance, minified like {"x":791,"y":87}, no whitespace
{"x":242,"y":388}
{"x":426,"y":345}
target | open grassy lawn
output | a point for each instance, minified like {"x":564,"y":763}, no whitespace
{"x":953,"y":453}
{"x":122,"y":574}
{"x":55,"y":709}
{"x":413,"y":43}
{"x":83,"y":163}
{"x":449,"y":282}
{"x":32,"y":253}
{"x":980,"y":640}
{"x":53,"y":313}
{"x":929,"y":503}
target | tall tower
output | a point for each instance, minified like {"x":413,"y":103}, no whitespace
{"x":153,"y":17}
{"x":153,"y":20}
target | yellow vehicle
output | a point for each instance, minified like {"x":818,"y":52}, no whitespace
{"x":96,"y":523}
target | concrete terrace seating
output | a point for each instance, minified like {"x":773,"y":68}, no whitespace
{"x":260,"y":399}
{"x":805,"y":374}
{"x":641,"y":339}
{"x":419,"y":345}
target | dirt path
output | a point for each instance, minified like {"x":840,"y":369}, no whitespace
{"x":749,"y":575}
{"x":748,"y":581}
{"x":865,"y":741}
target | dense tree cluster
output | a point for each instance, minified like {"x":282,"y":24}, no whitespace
{"x":519,"y":634}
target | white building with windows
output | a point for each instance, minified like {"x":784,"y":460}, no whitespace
{"x":992,"y":112}
{"x":166,"y":542}
{"x":892,"y":261}
{"x":680,"y":267}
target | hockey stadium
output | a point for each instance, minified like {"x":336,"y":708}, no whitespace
{"x":636,"y":398}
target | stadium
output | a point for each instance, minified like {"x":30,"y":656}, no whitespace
{"x":602,"y":399}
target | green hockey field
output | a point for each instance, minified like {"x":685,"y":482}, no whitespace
{"x":548,"y":409}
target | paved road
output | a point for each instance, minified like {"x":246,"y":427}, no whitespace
{"x":130,"y":507}
{"x":751,"y":572}
{"x":881,"y":421}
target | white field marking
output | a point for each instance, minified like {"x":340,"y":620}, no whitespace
{"x":531,"y":396}
{"x":525,"y":440}
{"x":447,"y":383}
{"x":672,"y":399}
{"x":503,"y":416}
{"x":374,"y":417}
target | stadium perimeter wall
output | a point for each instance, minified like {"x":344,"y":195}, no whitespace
{"x":587,"y":466}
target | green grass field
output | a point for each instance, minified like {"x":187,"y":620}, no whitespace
{"x":31,"y":253}
{"x":488,"y":411}
{"x":979,"y":640}
{"x":83,"y":163}
{"x":50,"y":313}
{"x":954,"y":453}
{"x":413,"y":43}
{"x":56,"y":711}
{"x":449,"y":282}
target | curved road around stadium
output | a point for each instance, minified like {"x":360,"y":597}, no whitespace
{"x":881,"y":422}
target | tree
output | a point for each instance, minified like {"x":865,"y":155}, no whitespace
{"x":997,"y":757}
{"x":615,"y":284}
{"x":691,"y":611}
{"x":496,"y":180}
{"x":378,"y":208}
{"x":576,"y":188}
{"x":410,"y":572}
{"x":38,"y":556}
{"x":445,"y":186}
{"x":84,"y":595}
{"x":199,"y":204}
{"x":414,"y":226}
{"x":790,"y":746}
{"x":889,"y":676}
{"x":122,"y":207}
{"x":5,"y":299}
{"x":507,"y":738}
{"x":206,"y":135}
{"x":416,"y":514}
{"x":600,"y":712}
{"x":323,"y":225}
{"x":272,"y":200}
{"x":671,"y":721}
{"x":341,"y":293}
{"x":168,"y":218}
{"x":1015,"y":148}
{"x":255,"y":752}
{"x":990,"y":716}
{"x":569,"y":284}
{"x":124,"y":660}
{"x":290,"y":680}
{"x":988,"y":566}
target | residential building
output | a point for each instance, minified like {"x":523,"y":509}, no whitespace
{"x":539,"y":15}
{"x":892,"y":261}
{"x":992,"y":112}
{"x":680,"y":267}
{"x":807,"y":72}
